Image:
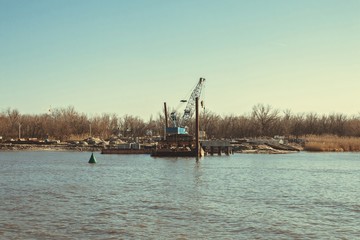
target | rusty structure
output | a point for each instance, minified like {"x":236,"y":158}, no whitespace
{"x":180,"y":144}
{"x":177,"y":142}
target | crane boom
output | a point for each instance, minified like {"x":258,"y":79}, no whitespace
{"x":189,"y":109}
{"x":190,"y":106}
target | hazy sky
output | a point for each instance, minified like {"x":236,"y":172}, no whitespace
{"x":128,"y":57}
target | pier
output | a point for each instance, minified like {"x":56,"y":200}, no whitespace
{"x":216,"y":147}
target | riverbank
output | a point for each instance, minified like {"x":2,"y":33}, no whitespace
{"x":48,"y":147}
{"x":264,"y":149}
{"x":265,"y":146}
{"x":326,"y":143}
{"x":254,"y":148}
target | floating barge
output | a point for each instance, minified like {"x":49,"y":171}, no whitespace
{"x":176,"y":153}
{"x":128,"y":148}
{"x":176,"y":145}
{"x":173,"y":153}
{"x":125,"y":151}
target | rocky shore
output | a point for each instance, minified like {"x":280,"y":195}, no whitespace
{"x":258,"y":147}
{"x":47,"y":147}
{"x":266,"y":146}
{"x":264,"y":149}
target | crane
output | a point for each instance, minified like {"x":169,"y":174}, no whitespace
{"x":190,"y":106}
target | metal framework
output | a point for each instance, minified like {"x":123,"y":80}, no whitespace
{"x":190,"y":106}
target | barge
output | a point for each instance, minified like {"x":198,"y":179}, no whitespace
{"x":129,"y":148}
{"x":175,"y":153}
{"x":125,"y":151}
{"x":177,"y":145}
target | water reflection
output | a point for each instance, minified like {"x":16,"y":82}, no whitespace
{"x":198,"y":172}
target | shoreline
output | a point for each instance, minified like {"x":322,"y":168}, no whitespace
{"x":10,"y":147}
{"x":13,"y":147}
{"x":48,"y":147}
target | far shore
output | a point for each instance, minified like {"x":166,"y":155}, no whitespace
{"x":69,"y":148}
{"x":310,"y":143}
{"x":53,"y":147}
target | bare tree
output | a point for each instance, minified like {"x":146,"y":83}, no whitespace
{"x":265,"y":117}
{"x":66,"y":123}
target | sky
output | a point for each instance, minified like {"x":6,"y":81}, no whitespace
{"x":129,"y":57}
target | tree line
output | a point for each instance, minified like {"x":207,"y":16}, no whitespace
{"x":263,"y":121}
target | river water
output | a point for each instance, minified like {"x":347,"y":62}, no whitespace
{"x":58,"y":195}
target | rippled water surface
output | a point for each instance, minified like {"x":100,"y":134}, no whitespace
{"x":58,"y":195}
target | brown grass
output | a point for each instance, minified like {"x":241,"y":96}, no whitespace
{"x":330,"y":143}
{"x":78,"y":137}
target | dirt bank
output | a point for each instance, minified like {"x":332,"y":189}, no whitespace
{"x":47,"y":147}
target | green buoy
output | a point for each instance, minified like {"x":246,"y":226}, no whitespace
{"x":92,"y":158}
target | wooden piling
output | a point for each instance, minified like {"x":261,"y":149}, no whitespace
{"x":197,"y":131}
{"x":227,"y":151}
{"x":166,"y":115}
{"x":212,"y":151}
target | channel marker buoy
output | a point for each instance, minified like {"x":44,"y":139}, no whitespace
{"x":92,"y":158}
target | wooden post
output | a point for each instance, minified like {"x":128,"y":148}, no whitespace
{"x":166,"y":116}
{"x":166,"y":120}
{"x":198,"y":154}
{"x":19,"y":131}
{"x":227,"y":151}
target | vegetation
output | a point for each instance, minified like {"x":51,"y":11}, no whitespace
{"x":263,"y":121}
{"x":332,"y":143}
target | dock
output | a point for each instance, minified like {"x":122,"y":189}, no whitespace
{"x":216,"y":147}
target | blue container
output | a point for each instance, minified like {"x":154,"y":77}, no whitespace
{"x":175,"y":130}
